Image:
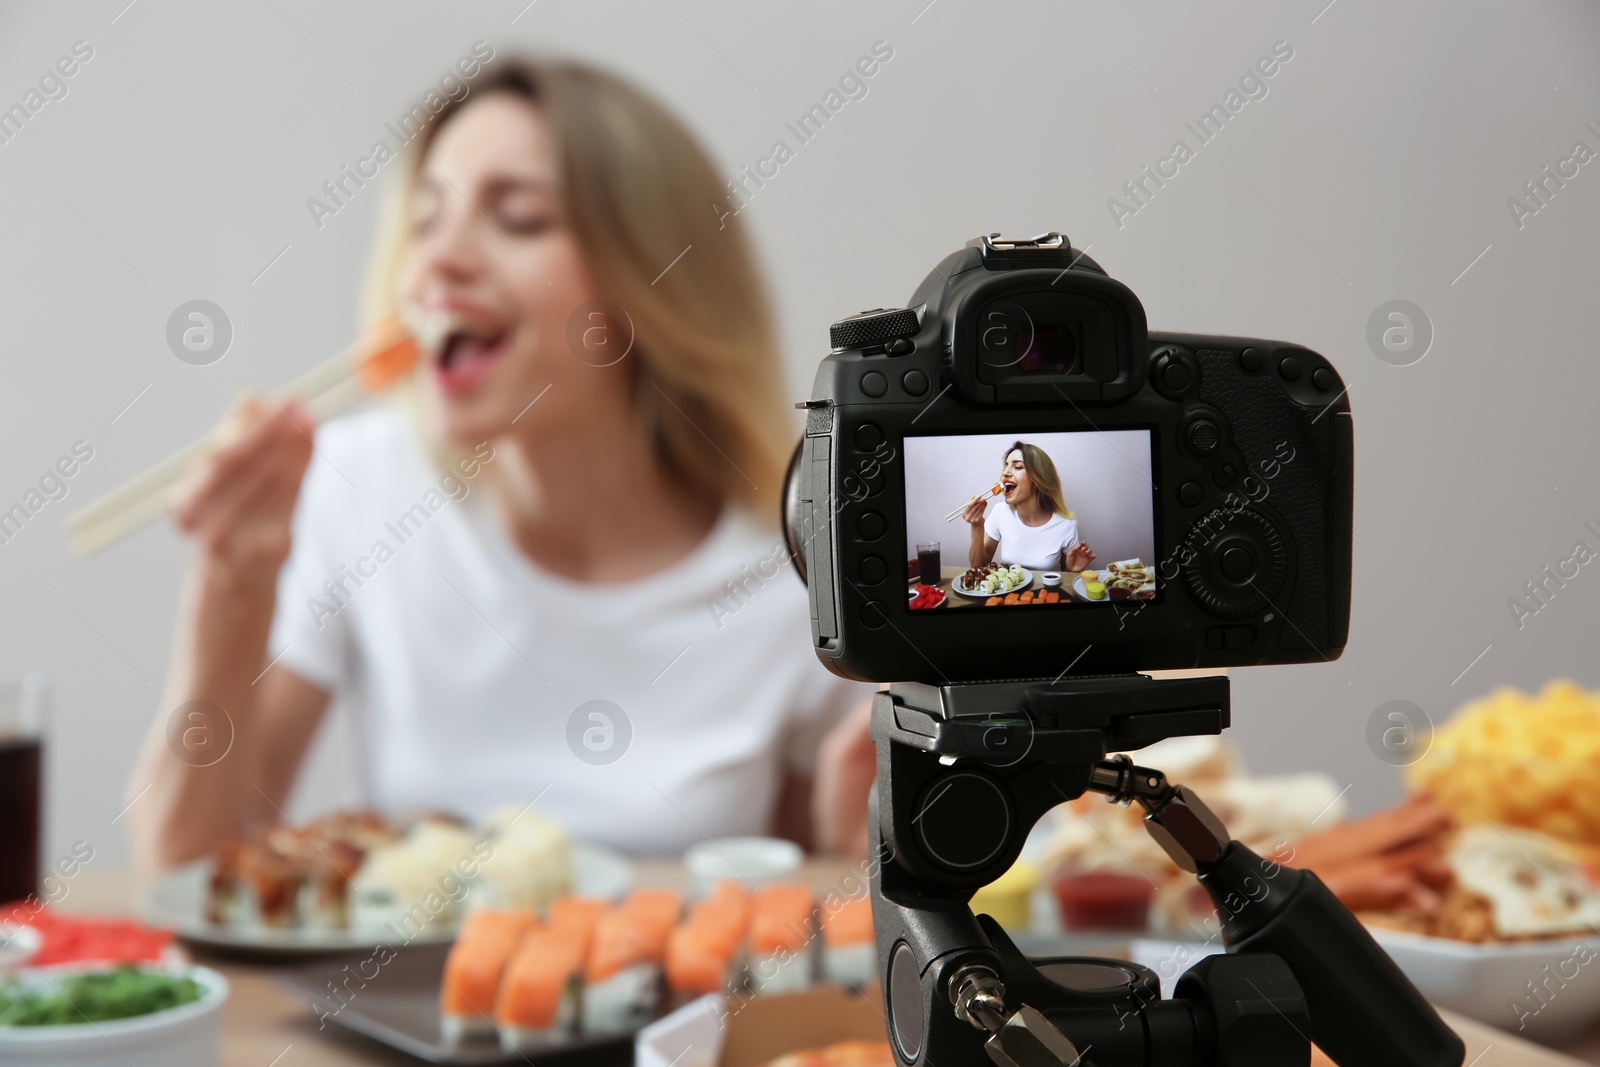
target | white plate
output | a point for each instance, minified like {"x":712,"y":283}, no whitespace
{"x":1487,"y":982}
{"x":958,"y":586}
{"x":177,"y":901}
{"x":18,"y":945}
{"x":189,"y":1035}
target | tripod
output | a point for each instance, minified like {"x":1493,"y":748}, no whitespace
{"x":964,"y":772}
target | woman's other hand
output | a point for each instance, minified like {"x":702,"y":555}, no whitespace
{"x":1079,"y":557}
{"x":238,"y":504}
{"x":847,"y":763}
{"x":974,"y":511}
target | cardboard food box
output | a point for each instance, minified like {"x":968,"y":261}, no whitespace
{"x":719,"y":1031}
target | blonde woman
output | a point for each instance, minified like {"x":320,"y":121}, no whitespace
{"x":1031,"y":524}
{"x":551,"y":581}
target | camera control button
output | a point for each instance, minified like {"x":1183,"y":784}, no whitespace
{"x":1291,"y":367}
{"x":1225,"y":475}
{"x":874,"y":384}
{"x":1324,"y":379}
{"x":1230,"y":638}
{"x":872,"y":616}
{"x":1251,"y":359}
{"x":868,"y":436}
{"x":1237,"y":563}
{"x":902,"y":346}
{"x":1190,"y":494}
{"x":915,"y":381}
{"x":1176,"y":377}
{"x":872,"y":570}
{"x":871,"y":526}
{"x":1203,"y":436}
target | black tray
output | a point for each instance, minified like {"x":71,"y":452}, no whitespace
{"x":400,"y":1008}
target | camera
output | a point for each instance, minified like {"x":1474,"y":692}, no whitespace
{"x":964,"y":455}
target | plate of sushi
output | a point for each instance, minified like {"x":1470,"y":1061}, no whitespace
{"x":992,"y":579}
{"x":1126,"y":579}
{"x":342,"y":880}
{"x":587,"y":972}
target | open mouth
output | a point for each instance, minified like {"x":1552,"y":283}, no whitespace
{"x":1010,"y":487}
{"x":467,"y":351}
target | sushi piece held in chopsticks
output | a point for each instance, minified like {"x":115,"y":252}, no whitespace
{"x":383,"y":356}
{"x":782,"y":927}
{"x":994,"y":490}
{"x":849,"y":953}
{"x":485,"y":943}
{"x":538,"y":1002}
{"x":623,"y":974}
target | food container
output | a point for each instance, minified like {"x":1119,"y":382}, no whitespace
{"x":1007,"y":898}
{"x":1094,"y":590}
{"x":1103,"y":900}
{"x":1545,"y":991}
{"x":1052,"y":580}
{"x":750,"y":860}
{"x":189,"y":1035}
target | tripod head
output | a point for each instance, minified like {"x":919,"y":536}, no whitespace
{"x":965,"y":771}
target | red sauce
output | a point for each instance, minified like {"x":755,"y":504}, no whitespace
{"x":1103,"y":900}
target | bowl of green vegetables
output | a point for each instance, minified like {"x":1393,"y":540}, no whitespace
{"x":95,"y":1015}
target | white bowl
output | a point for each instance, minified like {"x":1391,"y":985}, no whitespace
{"x":189,"y":1035}
{"x":747,"y":860}
{"x":18,"y":945}
{"x":1545,"y":991}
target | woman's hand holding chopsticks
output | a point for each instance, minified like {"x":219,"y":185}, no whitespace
{"x":238,"y":502}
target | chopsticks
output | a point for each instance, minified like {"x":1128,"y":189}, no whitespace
{"x":367,"y":367}
{"x":994,"y":490}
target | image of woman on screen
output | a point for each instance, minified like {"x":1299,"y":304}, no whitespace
{"x":1032,"y":524}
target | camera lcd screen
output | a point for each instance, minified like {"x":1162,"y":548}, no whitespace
{"x":1059,"y":520}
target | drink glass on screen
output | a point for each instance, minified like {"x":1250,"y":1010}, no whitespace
{"x":928,"y":562}
{"x":22,"y":713}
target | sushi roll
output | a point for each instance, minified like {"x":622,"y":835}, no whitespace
{"x":486,"y":942}
{"x":703,"y":954}
{"x":538,"y":1002}
{"x":579,"y":915}
{"x":782,"y":923}
{"x":849,"y":953}
{"x":622,"y":978}
{"x":1005,"y":584}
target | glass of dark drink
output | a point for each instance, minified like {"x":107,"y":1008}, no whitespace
{"x":928,"y":562}
{"x":22,"y":713}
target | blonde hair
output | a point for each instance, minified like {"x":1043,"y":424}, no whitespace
{"x":1042,"y":472}
{"x":640,"y":194}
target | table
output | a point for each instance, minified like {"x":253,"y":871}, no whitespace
{"x":954,"y":600}
{"x":263,"y":1026}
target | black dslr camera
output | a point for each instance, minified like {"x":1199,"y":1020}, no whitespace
{"x":1126,"y":501}
{"x":1215,"y":470}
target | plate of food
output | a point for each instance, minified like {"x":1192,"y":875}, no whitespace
{"x":580,"y":981}
{"x":99,"y":1015}
{"x":1126,"y":579}
{"x":339,"y":881}
{"x":924,"y":597}
{"x":992,"y":579}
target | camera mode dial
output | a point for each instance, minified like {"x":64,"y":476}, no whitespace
{"x":880,"y":326}
{"x":1235,"y":561}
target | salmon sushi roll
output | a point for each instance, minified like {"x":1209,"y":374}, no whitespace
{"x":579,"y":915}
{"x":622,"y":978}
{"x":657,"y":907}
{"x":699,"y":961}
{"x":485,"y":943}
{"x":849,"y":952}
{"x":538,"y":1001}
{"x":782,"y":926}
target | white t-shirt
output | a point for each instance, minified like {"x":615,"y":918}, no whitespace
{"x":1035,"y":547}
{"x":468,"y":668}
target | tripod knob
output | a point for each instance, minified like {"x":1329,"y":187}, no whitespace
{"x":1028,"y":1039}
